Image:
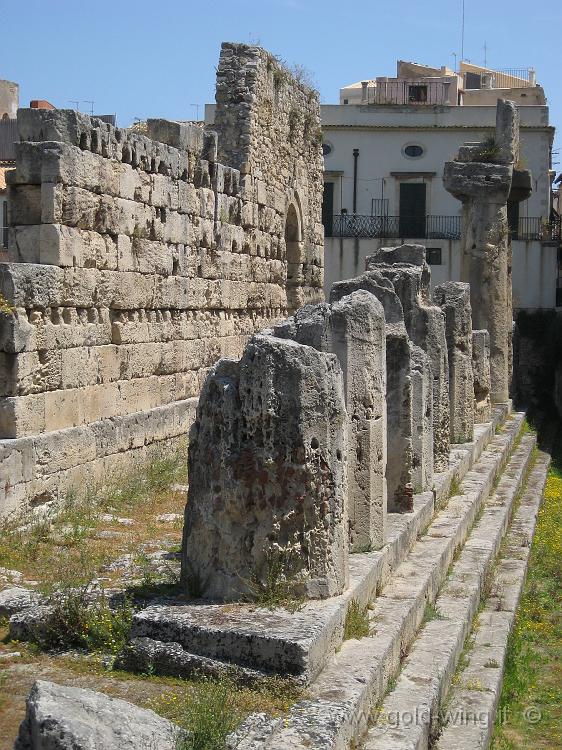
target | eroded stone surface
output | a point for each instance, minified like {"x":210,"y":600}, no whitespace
{"x":267,"y":490}
{"x":398,"y":386}
{"x":481,"y":374}
{"x":406,"y":268}
{"x":454,"y":299}
{"x":353,"y":328}
{"x":60,"y":718}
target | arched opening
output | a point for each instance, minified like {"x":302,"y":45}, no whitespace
{"x":293,"y":248}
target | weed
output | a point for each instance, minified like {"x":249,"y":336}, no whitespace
{"x":368,"y":547}
{"x":210,"y":717}
{"x":431,"y":613}
{"x":356,"y":621}
{"x":491,"y":664}
{"x":455,"y":488}
{"x":6,"y":307}
{"x":78,"y":620}
{"x":487,"y":152}
{"x":278,"y":585}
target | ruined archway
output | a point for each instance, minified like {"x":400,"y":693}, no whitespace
{"x":293,"y":250}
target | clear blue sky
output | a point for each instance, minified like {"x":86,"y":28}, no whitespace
{"x":145,"y":59}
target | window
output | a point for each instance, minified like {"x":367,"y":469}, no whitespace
{"x":413,"y":150}
{"x":417,"y":94}
{"x":433,"y":256}
{"x":327,"y":148}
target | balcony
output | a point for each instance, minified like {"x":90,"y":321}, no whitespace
{"x":400,"y":227}
{"x":432,"y":228}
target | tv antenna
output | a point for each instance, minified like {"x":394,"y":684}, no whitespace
{"x":76,"y":102}
{"x":462,"y":33}
{"x":485,"y":54}
{"x":196,"y":111}
{"x":91,"y":103}
{"x":454,"y":54}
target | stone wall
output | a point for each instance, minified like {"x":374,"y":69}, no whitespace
{"x":137,"y":262}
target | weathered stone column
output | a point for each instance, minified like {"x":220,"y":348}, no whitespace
{"x":406,"y":268}
{"x":422,"y":420}
{"x":267,"y":474}
{"x":481,"y":374}
{"x":481,"y":178}
{"x":354,"y":330}
{"x":398,"y":387}
{"x":454,"y":299}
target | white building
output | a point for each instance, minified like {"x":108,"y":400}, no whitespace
{"x":385,"y":147}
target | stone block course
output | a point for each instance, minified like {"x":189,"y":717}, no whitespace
{"x":137,"y":261}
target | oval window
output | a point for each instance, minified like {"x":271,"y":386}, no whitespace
{"x":413,"y":151}
{"x":326,"y":149}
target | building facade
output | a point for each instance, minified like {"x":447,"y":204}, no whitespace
{"x":385,"y":147}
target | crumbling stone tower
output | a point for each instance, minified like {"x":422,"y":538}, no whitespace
{"x":137,"y":262}
{"x":481,"y":177}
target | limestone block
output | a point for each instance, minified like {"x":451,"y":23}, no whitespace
{"x":353,"y":329}
{"x":29,"y":372}
{"x":398,"y":386}
{"x":481,"y":374}
{"x":58,"y":450}
{"x":16,"y":333}
{"x":454,"y":299}
{"x":407,"y":253}
{"x":184,"y":136}
{"x":24,"y":204}
{"x":507,"y":132}
{"x":422,"y":420}
{"x":22,"y":415}
{"x":60,"y":717}
{"x":478,"y":181}
{"x":267,"y":473}
{"x":16,"y":461}
{"x":425,"y":325}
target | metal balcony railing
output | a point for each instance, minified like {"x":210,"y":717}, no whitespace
{"x":536,"y":228}
{"x":408,"y":92}
{"x":420,"y":227}
{"x":432,"y":227}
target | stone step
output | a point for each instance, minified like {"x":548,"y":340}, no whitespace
{"x":469,"y":711}
{"x":340,"y":700}
{"x":300,"y":643}
{"x":409,"y":714}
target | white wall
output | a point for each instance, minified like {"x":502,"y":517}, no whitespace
{"x":534,"y":266}
{"x":381,"y":133}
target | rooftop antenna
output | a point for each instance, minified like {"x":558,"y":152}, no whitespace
{"x":454,"y":54}
{"x":196,"y":111}
{"x":485,"y":54}
{"x":462,"y":33}
{"x":76,"y":102}
{"x":91,"y":103}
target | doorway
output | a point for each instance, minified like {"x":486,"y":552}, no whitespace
{"x":412,"y":209}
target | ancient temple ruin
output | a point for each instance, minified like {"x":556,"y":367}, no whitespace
{"x":137,"y":261}
{"x":168,"y":286}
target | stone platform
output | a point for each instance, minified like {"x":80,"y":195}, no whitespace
{"x":179,"y":638}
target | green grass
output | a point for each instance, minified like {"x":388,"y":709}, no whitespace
{"x":356,"y":621}
{"x":534,"y":654}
